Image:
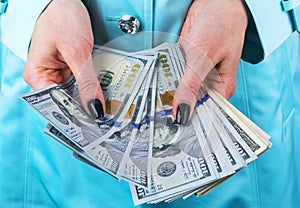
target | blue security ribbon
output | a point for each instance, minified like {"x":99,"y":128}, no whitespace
{"x":294,"y":7}
{"x":3,"y":6}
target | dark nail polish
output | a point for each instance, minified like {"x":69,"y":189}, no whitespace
{"x":183,"y":113}
{"x":95,"y":108}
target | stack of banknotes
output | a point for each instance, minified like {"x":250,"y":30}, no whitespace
{"x":138,"y":139}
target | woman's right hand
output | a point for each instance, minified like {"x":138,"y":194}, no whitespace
{"x":62,"y":44}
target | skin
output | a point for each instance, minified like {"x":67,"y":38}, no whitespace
{"x":212,"y":38}
{"x":62,"y":44}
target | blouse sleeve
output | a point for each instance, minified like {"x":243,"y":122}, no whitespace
{"x":269,"y":25}
{"x":17,"y":24}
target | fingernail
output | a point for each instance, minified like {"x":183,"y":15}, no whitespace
{"x":183,"y":113}
{"x":95,"y":108}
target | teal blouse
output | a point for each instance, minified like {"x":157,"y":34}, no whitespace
{"x":36,"y":171}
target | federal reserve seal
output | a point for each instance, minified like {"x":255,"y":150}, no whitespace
{"x":60,"y":118}
{"x":166,"y":169}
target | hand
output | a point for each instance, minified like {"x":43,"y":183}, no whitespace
{"x":212,"y":37}
{"x":62,"y":45}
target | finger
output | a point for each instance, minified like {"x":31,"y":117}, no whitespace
{"x":90,"y":91}
{"x":197,"y":67}
{"x":39,"y":78}
{"x":44,"y":66}
{"x":213,"y":80}
{"x":227,"y":70}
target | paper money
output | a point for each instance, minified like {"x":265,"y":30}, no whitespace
{"x":185,"y":165}
{"x":253,"y":136}
{"x":138,"y":139}
{"x":110,"y":150}
{"x":66,"y":114}
{"x":77,"y":152}
{"x":121,"y":76}
{"x":178,"y":160}
{"x":134,"y":166}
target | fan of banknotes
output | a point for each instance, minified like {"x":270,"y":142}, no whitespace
{"x":138,"y":140}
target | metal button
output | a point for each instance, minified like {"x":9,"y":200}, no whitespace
{"x":129,"y":24}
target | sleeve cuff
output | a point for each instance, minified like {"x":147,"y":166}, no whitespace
{"x":268,"y":27}
{"x":17,"y":24}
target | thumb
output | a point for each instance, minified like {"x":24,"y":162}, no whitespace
{"x":91,"y":95}
{"x":198,"y":65}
